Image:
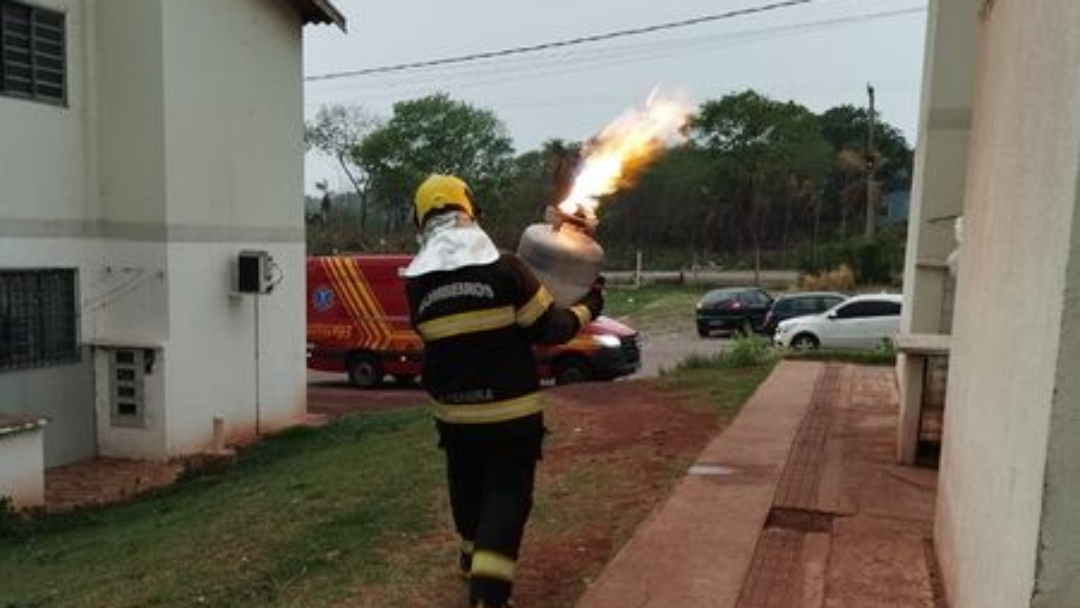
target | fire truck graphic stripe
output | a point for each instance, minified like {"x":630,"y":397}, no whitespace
{"x":531,"y":311}
{"x":375,"y":332}
{"x":484,"y":413}
{"x":343,"y":297}
{"x":467,"y":323}
{"x":385,"y":332}
{"x":335,"y":270}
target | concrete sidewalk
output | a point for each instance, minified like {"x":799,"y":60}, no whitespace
{"x":796,"y":504}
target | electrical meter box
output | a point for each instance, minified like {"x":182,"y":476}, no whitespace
{"x":253,"y":274}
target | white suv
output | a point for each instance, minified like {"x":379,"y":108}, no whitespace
{"x":860,"y":322}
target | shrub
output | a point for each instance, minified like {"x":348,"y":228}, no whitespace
{"x":13,"y":524}
{"x":873,"y":261}
{"x":746,"y":351}
{"x":838,"y":279}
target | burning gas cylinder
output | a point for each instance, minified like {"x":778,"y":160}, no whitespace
{"x":561,"y":251}
{"x":563,"y":254}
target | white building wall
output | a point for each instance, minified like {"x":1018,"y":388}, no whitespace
{"x":216,"y":361}
{"x":940,"y":162}
{"x":150,"y":191}
{"x":43,"y":169}
{"x":1001,"y":541}
{"x":234,"y":133}
{"x":59,"y":392}
{"x":22,"y":466}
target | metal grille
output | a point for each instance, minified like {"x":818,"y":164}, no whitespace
{"x":37,"y":318}
{"x":32,"y":53}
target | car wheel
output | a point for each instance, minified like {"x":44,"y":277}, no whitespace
{"x":702,"y":332}
{"x":365,"y":371}
{"x":572,"y":370}
{"x":804,"y":342}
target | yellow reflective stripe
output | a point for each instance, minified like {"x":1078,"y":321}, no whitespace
{"x":582,"y":313}
{"x":467,"y":547}
{"x":531,"y":311}
{"x":467,"y":323}
{"x":496,"y":411}
{"x":490,"y":564}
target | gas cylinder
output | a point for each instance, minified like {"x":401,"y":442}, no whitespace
{"x":563,"y":255}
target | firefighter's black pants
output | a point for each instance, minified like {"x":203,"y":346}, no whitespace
{"x":491,"y":469}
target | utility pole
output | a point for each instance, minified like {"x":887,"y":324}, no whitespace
{"x":871,"y":208}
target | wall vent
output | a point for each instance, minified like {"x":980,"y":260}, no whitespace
{"x":127,"y":395}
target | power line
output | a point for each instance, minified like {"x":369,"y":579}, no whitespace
{"x":519,"y":50}
{"x":545,"y":67}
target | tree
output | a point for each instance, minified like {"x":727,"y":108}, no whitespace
{"x":337,"y":130}
{"x":774,"y":153}
{"x":846,"y":129}
{"x":436,"y":134}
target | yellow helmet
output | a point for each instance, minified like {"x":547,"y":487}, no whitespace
{"x":440,"y":192}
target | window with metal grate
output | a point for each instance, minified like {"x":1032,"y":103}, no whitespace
{"x":33,"y":58}
{"x":38,"y":318}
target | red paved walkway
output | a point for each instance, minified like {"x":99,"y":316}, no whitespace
{"x":796,"y":505}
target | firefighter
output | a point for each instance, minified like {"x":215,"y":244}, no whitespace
{"x":479,"y":311}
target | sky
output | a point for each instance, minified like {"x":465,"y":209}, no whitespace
{"x":820,"y":53}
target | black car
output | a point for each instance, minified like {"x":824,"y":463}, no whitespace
{"x":735,"y":310}
{"x":799,"y":305}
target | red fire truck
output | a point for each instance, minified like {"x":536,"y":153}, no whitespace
{"x":358,"y":323}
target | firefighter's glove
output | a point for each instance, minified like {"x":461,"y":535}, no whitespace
{"x":594,"y":299}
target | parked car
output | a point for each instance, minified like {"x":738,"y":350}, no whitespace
{"x":789,"y":306}
{"x":734,"y":309}
{"x":865,"y":321}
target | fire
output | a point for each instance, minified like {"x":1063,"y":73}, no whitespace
{"x":614,"y":158}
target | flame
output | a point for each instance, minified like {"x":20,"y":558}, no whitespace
{"x":614,"y":158}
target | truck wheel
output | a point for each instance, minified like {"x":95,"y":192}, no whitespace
{"x":572,"y":370}
{"x":365,"y":371}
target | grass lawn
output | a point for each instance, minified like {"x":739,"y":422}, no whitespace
{"x":655,"y":307}
{"x":350,"y":514}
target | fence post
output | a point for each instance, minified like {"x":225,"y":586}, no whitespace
{"x":637,"y":271}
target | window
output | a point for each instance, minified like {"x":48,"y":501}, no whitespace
{"x":32,"y":53}
{"x":754,"y":298}
{"x":37,"y":318}
{"x":855,"y":310}
{"x":869,"y":308}
{"x":804,"y":306}
{"x":718,"y":297}
{"x":823,"y":304}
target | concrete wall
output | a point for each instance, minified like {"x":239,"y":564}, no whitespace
{"x":175,"y":152}
{"x":234,"y":147}
{"x":214,"y":366}
{"x":1007,"y":529}
{"x":22,"y":467}
{"x":43,"y":169}
{"x":234,"y":117}
{"x":941,"y":157}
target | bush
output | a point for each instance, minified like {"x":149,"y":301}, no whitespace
{"x":13,"y":524}
{"x":884,"y":355}
{"x":839,"y":279}
{"x":873,"y":261}
{"x":746,"y":351}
